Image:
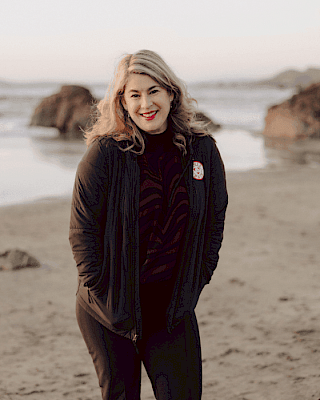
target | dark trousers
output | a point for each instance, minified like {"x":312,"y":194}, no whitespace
{"x":172,"y":361}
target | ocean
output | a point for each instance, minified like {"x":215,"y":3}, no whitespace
{"x":35,"y":164}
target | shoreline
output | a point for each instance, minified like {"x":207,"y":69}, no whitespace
{"x":258,"y":318}
{"x":270,"y":168}
{"x":42,"y":168}
{"x":38,"y":200}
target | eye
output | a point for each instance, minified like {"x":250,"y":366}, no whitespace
{"x":154,"y":91}
{"x":135,"y":95}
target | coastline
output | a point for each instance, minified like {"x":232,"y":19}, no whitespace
{"x":258,"y":318}
{"x":45,"y":166}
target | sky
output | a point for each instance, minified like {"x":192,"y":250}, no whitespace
{"x":82,"y":41}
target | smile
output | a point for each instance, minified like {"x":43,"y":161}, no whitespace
{"x":150,"y":115}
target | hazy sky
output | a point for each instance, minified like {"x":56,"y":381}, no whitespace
{"x":81,"y":40}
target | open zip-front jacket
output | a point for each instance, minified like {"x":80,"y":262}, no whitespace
{"x":104,"y":232}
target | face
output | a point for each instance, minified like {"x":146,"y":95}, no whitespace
{"x":147,"y":103}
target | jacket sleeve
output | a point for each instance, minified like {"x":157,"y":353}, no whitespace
{"x":217,"y":205}
{"x":88,"y":216}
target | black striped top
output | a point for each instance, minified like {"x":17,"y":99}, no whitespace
{"x":161,"y":224}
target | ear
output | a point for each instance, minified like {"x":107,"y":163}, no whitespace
{"x":171,"y":97}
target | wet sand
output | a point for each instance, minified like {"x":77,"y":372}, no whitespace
{"x":259,"y":318}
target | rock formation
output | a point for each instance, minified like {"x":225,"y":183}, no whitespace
{"x":17,"y":259}
{"x":296,"y":118}
{"x":68,"y":111}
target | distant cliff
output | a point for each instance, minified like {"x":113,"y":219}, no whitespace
{"x":293,"y":78}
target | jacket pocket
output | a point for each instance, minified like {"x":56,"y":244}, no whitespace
{"x":204,"y":279}
{"x":93,"y":284}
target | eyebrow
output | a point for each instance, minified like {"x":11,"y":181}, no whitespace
{"x":150,"y":88}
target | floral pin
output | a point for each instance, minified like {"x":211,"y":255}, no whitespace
{"x":198,"y":170}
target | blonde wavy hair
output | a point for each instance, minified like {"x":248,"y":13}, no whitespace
{"x":111,"y":119}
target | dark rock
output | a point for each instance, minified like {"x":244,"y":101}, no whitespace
{"x":69,"y":111}
{"x":17,"y":259}
{"x":296,"y":118}
{"x":212,"y":126}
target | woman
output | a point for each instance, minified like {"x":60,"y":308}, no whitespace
{"x":146,"y":227}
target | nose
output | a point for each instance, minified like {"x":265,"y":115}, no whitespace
{"x":145,"y":101}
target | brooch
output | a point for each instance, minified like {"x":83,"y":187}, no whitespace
{"x":198,"y":170}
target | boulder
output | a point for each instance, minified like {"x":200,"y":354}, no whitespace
{"x":17,"y":259}
{"x":296,"y":118}
{"x":69,"y":111}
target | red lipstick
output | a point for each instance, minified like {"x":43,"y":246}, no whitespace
{"x":152,"y":116}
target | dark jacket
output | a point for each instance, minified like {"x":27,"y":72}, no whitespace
{"x":104,"y":232}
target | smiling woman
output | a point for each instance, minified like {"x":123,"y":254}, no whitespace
{"x":146,"y":228}
{"x":144,"y":83}
{"x":147,"y":103}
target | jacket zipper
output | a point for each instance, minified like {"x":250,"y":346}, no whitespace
{"x":134,"y":341}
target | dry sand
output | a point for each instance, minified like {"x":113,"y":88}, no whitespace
{"x":259,"y":317}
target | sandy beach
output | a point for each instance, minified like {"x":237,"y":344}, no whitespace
{"x":259,"y":318}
